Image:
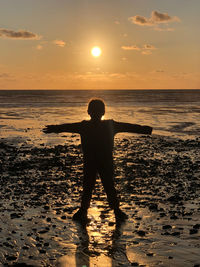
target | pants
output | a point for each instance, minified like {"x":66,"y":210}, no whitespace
{"x":105,"y":170}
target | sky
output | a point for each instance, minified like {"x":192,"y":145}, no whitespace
{"x":145,"y":44}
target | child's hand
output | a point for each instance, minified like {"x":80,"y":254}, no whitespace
{"x":147,"y":129}
{"x":48,"y":129}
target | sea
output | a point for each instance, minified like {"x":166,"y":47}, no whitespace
{"x":24,"y":113}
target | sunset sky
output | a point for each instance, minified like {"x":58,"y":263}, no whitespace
{"x":145,"y":44}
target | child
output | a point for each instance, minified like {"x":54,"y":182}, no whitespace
{"x":97,"y":139}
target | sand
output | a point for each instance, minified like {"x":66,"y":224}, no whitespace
{"x":159,"y":182}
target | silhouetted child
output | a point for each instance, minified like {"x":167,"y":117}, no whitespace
{"x":97,"y":138}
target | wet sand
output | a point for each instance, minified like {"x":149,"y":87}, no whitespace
{"x":159,"y":182}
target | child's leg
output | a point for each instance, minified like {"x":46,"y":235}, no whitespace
{"x":106,"y":174}
{"x":89,"y":180}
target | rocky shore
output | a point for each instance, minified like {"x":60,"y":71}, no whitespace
{"x":159,"y":183}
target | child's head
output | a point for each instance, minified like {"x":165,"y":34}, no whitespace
{"x":96,"y":108}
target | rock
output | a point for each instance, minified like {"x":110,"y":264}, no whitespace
{"x":153,"y":207}
{"x":141,"y":233}
{"x":176,"y":234}
{"x":44,"y":231}
{"x":134,"y":264}
{"x":175,"y":199}
{"x":167,"y":226}
{"x":193,"y":231}
{"x":196,"y":226}
{"x":150,"y":254}
{"x":8,"y":245}
{"x":25,"y":247}
{"x":11,"y":258}
{"x":173,"y":217}
{"x":166,"y":233}
{"x":42,"y":251}
{"x":15,"y":215}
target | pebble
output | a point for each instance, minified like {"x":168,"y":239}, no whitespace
{"x":196,"y":226}
{"x":43,"y":231}
{"x":141,"y":233}
{"x":167,"y":226}
{"x":11,"y":258}
{"x":193,"y":231}
{"x":176,"y":234}
{"x":134,"y":264}
{"x":15,"y":215}
{"x":42,"y":251}
{"x":25,"y":247}
{"x":153,"y":207}
{"x":150,"y":254}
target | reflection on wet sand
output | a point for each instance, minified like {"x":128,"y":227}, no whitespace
{"x":90,"y":253}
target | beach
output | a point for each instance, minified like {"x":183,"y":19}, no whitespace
{"x":158,"y":180}
{"x":157,"y":177}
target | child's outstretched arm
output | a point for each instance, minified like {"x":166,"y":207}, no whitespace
{"x":132,"y":128}
{"x":67,"y":127}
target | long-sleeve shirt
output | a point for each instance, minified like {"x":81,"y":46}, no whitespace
{"x":97,"y":137}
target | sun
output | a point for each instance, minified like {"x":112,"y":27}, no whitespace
{"x":96,"y":51}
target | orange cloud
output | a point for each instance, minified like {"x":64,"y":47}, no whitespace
{"x":59,"y":43}
{"x":145,"y":49}
{"x":39,"y":47}
{"x":131,"y":47}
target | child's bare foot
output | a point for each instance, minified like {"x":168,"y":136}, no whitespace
{"x":120,"y":215}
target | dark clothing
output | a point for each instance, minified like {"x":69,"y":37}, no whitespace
{"x":97,"y":138}
{"x":105,"y":170}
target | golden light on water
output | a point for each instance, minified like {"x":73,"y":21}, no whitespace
{"x":96,"y":51}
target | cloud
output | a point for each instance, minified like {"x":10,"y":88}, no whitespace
{"x":21,"y":34}
{"x":39,"y":47}
{"x":159,"y":71}
{"x":162,"y":29}
{"x":149,"y":47}
{"x":146,"y":52}
{"x":4,"y":75}
{"x":140,"y":20}
{"x":59,"y":43}
{"x":117,"y":22}
{"x":131,"y":47}
{"x":156,"y":19}
{"x":146,"y":49}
